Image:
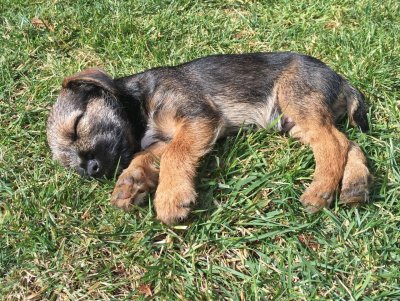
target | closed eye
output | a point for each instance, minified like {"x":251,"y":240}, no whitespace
{"x":74,"y":135}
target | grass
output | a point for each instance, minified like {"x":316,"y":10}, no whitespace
{"x":249,"y":238}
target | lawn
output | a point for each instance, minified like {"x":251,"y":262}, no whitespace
{"x":249,"y":237}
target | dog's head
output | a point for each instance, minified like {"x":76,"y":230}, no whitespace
{"x":87,"y":129}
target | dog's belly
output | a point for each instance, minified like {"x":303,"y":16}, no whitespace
{"x":235,"y":114}
{"x":262,"y":115}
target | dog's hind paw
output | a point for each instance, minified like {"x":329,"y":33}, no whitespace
{"x":355,"y":184}
{"x":355,"y":192}
{"x":314,"y":201}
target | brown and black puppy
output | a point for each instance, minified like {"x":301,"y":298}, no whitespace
{"x":158,"y":124}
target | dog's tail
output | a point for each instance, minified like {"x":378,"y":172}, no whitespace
{"x":356,"y":108}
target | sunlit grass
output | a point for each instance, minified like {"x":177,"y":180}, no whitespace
{"x":249,"y":238}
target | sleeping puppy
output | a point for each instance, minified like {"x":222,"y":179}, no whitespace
{"x":158,"y":124}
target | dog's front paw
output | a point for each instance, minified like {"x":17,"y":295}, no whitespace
{"x":314,"y":200}
{"x":173,"y":203}
{"x":131,"y":188}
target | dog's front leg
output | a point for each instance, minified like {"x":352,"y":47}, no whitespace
{"x":139,"y":179}
{"x":176,"y":193}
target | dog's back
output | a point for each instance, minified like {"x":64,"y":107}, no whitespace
{"x":244,"y":88}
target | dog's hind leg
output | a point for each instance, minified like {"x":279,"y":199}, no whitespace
{"x":356,"y":178}
{"x":306,"y":104}
{"x":330,"y":148}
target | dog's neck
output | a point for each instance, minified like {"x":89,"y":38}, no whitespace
{"x":134,"y":92}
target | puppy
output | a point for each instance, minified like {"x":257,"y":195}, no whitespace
{"x":158,"y":124}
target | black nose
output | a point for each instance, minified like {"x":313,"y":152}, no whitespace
{"x":93,"y":168}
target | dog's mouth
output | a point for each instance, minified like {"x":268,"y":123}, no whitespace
{"x":97,"y":169}
{"x":103,"y":157}
{"x":92,"y":169}
{"x":105,"y":164}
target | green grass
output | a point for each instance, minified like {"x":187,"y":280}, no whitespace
{"x":249,"y":238}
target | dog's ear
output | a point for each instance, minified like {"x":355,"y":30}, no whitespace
{"x":92,"y":77}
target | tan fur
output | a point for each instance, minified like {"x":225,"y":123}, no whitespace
{"x":317,"y":129}
{"x":191,"y":139}
{"x":356,"y":177}
{"x":178,"y":169}
{"x":139,"y":179}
